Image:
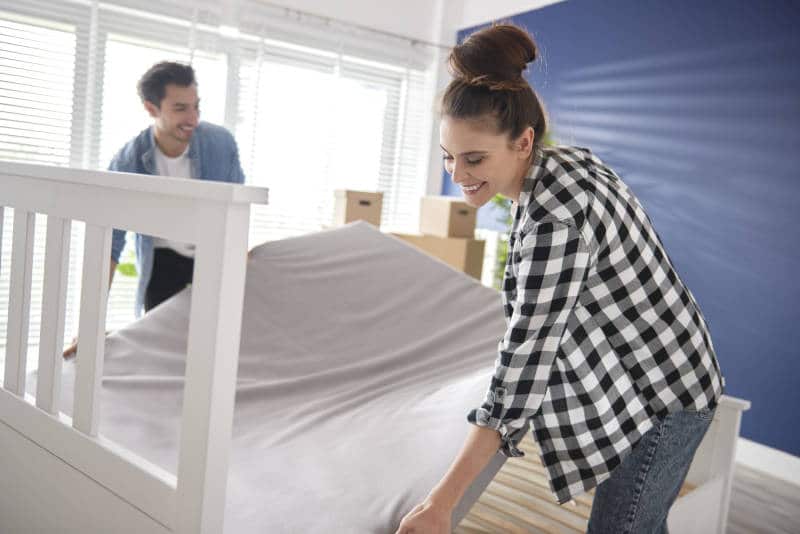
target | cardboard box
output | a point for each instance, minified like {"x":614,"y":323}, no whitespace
{"x":463,"y":254}
{"x":357,"y":206}
{"x":446,"y":217}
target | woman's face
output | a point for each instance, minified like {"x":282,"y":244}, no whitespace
{"x":482,"y":162}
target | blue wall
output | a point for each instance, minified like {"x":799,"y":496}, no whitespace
{"x":696,"y":104}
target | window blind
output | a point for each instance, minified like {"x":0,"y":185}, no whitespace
{"x":314,"y":105}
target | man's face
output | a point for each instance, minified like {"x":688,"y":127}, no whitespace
{"x":178,"y":114}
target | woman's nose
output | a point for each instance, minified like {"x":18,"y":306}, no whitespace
{"x":458,"y":175}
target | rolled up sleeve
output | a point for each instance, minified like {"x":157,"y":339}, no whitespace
{"x":552,"y":267}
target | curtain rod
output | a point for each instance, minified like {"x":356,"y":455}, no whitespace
{"x":329,"y":20}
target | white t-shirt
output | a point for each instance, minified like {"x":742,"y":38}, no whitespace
{"x":180,"y":167}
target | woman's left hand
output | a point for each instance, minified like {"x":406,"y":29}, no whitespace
{"x":426,"y":518}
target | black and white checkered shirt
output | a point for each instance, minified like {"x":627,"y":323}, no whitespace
{"x":603,"y":337}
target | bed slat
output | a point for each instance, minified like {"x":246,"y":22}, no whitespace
{"x":54,"y":299}
{"x":91,"y":329}
{"x":211,"y":363}
{"x":520,"y":495}
{"x":19,"y":301}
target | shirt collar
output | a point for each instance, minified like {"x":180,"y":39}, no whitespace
{"x":148,"y":157}
{"x":528,"y":182}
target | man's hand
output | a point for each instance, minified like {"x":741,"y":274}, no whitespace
{"x":71,"y":349}
{"x":426,"y":518}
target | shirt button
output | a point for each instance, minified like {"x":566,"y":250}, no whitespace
{"x":482,"y":417}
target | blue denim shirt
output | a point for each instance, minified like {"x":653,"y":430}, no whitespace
{"x":213,"y":155}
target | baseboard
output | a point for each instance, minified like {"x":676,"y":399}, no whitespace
{"x":772,"y":462}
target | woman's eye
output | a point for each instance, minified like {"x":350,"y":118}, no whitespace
{"x":474,"y":161}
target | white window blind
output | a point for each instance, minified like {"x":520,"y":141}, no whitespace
{"x":37,"y":60}
{"x":37,"y":72}
{"x":314,"y":107}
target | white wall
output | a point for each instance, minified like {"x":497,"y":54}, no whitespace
{"x":428,"y":20}
{"x":479,"y":11}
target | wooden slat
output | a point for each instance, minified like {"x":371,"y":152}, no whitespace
{"x":468,"y":526}
{"x":518,"y":491}
{"x":490,"y":519}
{"x":566,"y":515}
{"x":91,"y":328}
{"x":520,"y":496}
{"x":215,"y":322}
{"x":54,"y":296}
{"x":19,"y":302}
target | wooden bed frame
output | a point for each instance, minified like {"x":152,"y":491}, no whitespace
{"x":519,"y":500}
{"x":59,"y":475}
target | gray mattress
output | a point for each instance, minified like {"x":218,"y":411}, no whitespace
{"x":360,"y":359}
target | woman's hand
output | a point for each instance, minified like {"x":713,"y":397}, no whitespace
{"x":434,"y":515}
{"x":426,"y":518}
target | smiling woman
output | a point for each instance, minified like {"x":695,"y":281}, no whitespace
{"x":489,"y":96}
{"x":606,"y":353}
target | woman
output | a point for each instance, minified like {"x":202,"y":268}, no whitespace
{"x":606,"y":352}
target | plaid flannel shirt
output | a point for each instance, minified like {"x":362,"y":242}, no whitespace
{"x":602,"y":336}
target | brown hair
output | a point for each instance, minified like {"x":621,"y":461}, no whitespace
{"x":152,"y":85}
{"x":488,"y":83}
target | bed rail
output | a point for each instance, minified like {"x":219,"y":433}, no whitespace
{"x":212,"y":216}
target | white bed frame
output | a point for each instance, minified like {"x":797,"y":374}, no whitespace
{"x":56,"y":473}
{"x":519,"y":501}
{"x":705,"y":508}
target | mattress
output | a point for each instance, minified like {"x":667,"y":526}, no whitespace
{"x":360,"y":358}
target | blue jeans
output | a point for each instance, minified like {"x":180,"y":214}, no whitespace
{"x":638,"y":495}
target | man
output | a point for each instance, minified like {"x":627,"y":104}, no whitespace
{"x":178,"y":145}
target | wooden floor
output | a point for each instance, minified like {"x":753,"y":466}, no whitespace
{"x":760,"y":503}
{"x":519,"y":501}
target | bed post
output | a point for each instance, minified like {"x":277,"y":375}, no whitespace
{"x":212,"y":357}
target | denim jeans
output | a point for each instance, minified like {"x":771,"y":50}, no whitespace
{"x":636,"y":498}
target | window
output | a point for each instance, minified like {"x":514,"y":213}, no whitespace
{"x":314,"y":124}
{"x":37,"y":60}
{"x":313,"y":109}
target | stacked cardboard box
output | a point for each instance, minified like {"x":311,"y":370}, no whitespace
{"x":447,"y":228}
{"x":352,"y":206}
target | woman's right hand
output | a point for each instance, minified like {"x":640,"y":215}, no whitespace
{"x":426,"y":518}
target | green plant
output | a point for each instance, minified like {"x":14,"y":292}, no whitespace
{"x":503,"y":205}
{"x":127,"y":265}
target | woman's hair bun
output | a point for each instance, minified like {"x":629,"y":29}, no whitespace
{"x":494,"y":57}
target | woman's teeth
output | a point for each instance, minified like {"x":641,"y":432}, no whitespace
{"x":472,"y":188}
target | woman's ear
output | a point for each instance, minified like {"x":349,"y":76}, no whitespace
{"x":524,"y":143}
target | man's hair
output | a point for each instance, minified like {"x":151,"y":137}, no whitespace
{"x":153,"y":85}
